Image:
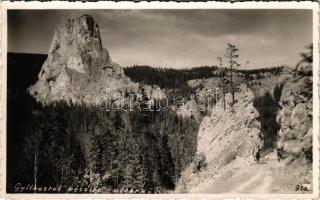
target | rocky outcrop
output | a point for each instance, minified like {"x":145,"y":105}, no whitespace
{"x":295,"y":120}
{"x":78,"y":68}
{"x":234,"y":132}
{"x":224,"y":136}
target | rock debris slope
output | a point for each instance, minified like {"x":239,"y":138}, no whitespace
{"x":78,"y":68}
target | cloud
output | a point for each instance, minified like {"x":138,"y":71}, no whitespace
{"x":177,"y":38}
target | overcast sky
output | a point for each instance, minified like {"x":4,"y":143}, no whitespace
{"x":176,"y":38}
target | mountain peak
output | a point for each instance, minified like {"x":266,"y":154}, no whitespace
{"x":78,"y":68}
{"x":78,"y":42}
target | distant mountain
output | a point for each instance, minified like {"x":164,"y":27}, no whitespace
{"x":23,"y":69}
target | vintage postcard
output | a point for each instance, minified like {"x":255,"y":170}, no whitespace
{"x":159,"y":100}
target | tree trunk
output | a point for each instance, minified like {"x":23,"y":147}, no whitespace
{"x":231,"y":82}
{"x":35,"y":171}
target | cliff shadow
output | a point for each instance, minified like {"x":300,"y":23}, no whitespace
{"x":268,"y":107}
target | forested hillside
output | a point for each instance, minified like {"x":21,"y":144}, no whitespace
{"x":23,"y":69}
{"x":144,"y":151}
{"x":89,"y":148}
{"x":112,"y":151}
{"x":175,"y":78}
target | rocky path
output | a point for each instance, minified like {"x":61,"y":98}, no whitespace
{"x":259,"y":181}
{"x":261,"y":178}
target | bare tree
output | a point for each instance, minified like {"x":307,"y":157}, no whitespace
{"x":232,"y":55}
{"x":33,"y":142}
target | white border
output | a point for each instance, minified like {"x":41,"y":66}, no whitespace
{"x":162,"y":5}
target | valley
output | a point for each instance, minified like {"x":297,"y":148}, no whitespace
{"x":254,"y":137}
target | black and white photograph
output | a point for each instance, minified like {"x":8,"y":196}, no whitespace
{"x":160,"y":101}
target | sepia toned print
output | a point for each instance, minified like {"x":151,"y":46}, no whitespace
{"x":172,"y":101}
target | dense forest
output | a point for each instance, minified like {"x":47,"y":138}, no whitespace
{"x":84,"y":147}
{"x":78,"y":146}
{"x":140,"y":150}
{"x":170,"y":78}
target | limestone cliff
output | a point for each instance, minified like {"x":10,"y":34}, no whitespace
{"x":230,"y":133}
{"x":295,"y":120}
{"x":78,"y":68}
{"x":223,"y":137}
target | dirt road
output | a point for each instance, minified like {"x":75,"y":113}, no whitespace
{"x":261,"y":178}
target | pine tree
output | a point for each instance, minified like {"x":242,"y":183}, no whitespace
{"x":232,"y":55}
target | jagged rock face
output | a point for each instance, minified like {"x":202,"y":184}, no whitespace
{"x":231,"y":133}
{"x":78,"y":68}
{"x":295,"y":120}
{"x":224,"y":137}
